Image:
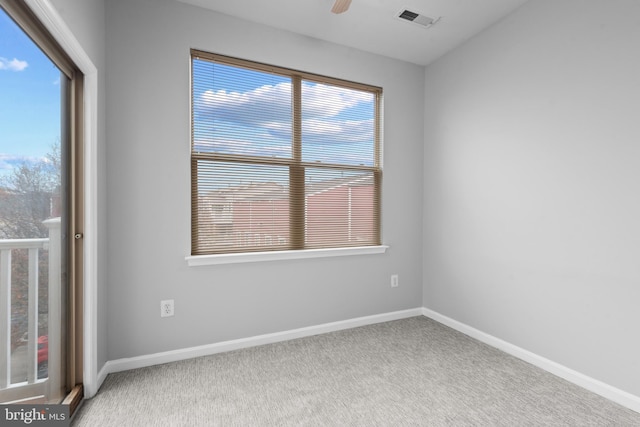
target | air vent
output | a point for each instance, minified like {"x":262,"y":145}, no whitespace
{"x":417,"y":18}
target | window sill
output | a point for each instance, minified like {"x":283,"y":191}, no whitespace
{"x":198,"y":260}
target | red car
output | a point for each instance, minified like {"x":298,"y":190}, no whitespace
{"x":43,"y":356}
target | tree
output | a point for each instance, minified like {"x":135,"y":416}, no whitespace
{"x":27,"y":196}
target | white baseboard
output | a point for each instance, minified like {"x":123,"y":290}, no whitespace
{"x":616,"y":395}
{"x":102,"y":375}
{"x":605,"y":390}
{"x":125,"y":364}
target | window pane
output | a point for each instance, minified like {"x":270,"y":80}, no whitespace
{"x":240,"y":111}
{"x":242,"y":207}
{"x":338,"y":124}
{"x":340,"y":208}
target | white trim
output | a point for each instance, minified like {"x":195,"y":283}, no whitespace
{"x":605,"y":390}
{"x":49,"y":16}
{"x":221,"y":347}
{"x":616,"y":395}
{"x":102,"y":375}
{"x":198,"y":260}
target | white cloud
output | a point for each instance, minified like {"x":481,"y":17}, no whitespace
{"x":269,"y":103}
{"x":272,"y":103}
{"x":12,"y":65}
{"x":321,"y":100}
{"x":258,"y":121}
{"x":344,"y":130}
{"x":263,"y":146}
{"x":8,"y":162}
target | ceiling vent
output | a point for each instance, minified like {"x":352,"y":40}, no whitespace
{"x":417,"y":18}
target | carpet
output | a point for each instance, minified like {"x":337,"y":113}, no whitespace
{"x":410,"y":372}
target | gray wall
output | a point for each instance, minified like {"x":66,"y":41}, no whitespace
{"x":149,"y":189}
{"x":532,"y":184}
{"x":86,"y":20}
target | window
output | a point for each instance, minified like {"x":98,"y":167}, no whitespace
{"x":280,"y":159}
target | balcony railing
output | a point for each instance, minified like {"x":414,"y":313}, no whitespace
{"x":32,"y":387}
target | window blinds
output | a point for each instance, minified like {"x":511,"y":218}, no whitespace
{"x":281,"y":160}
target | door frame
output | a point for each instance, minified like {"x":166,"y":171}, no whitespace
{"x":53,"y":22}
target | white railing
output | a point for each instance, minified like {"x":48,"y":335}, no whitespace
{"x":32,"y":386}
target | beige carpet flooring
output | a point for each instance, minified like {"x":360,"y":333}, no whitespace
{"x":411,"y":372}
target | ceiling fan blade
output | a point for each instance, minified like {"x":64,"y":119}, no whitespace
{"x":341,"y":6}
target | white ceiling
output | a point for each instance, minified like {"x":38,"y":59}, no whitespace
{"x":371,"y":25}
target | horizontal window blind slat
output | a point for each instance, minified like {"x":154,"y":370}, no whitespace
{"x":252,"y":65}
{"x":258,"y":187}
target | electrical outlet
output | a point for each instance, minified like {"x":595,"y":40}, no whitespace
{"x":394,"y":280}
{"x":166,"y":308}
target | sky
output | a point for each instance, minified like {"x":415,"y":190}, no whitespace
{"x":239,"y":111}
{"x":29,"y":99}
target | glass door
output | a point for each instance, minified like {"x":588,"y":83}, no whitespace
{"x":36,"y":215}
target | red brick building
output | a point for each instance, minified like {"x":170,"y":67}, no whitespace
{"x":257,"y":215}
